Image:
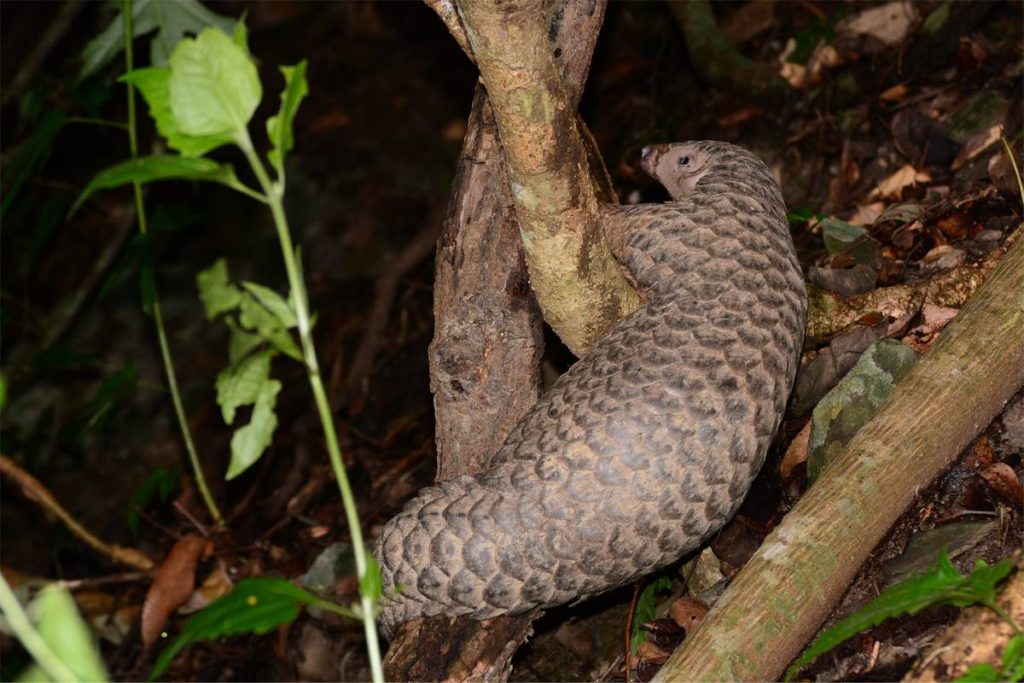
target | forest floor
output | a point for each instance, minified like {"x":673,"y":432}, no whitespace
{"x":885,"y":135}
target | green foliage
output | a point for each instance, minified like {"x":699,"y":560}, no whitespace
{"x":279,"y":126}
{"x":171,"y":19}
{"x":54,"y":635}
{"x":61,"y":627}
{"x":1011,"y":667}
{"x":249,"y":442}
{"x":159,"y":484}
{"x":160,"y":167}
{"x":214,"y":87}
{"x":842,"y":238}
{"x":258,"y":332}
{"x":647,"y":608}
{"x":3,"y":391}
{"x":254,"y":606}
{"x":114,"y":390}
{"x":29,"y":156}
{"x":940,"y":585}
{"x":154,"y":83}
{"x":371,"y":585}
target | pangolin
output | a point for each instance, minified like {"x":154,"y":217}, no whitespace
{"x":648,"y":444}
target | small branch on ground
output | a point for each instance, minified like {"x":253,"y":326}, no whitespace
{"x":36,"y":492}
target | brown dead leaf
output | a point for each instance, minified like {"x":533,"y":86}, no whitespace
{"x":1003,"y":480}
{"x":866,"y":214}
{"x":1000,"y":172}
{"x":795,"y":455}
{"x":172,"y":585}
{"x":887,"y":24}
{"x":935,"y":253}
{"x":896,"y":93}
{"x":750,"y":20}
{"x":652,"y":653}
{"x":688,"y":612}
{"x":741,"y":115}
{"x":980,"y":456}
{"x":977,"y":144}
{"x":893,"y":186}
{"x":955,"y":226}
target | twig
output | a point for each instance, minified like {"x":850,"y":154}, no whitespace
{"x":35,"y":491}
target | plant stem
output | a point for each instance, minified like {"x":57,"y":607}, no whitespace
{"x":274,"y":193}
{"x":158,"y":316}
{"x":19,"y":622}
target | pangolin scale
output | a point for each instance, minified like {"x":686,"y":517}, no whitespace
{"x":648,"y":444}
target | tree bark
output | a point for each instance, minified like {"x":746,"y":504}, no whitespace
{"x":782,"y":595}
{"x":484,"y":360}
{"x":578,"y":283}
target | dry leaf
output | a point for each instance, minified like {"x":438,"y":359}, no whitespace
{"x":172,"y":585}
{"x":888,"y":24}
{"x":1004,"y":481}
{"x":688,"y":612}
{"x":866,"y":214}
{"x":651,"y":652}
{"x":750,"y":20}
{"x":892,"y":187}
{"x":896,"y":93}
{"x":977,"y":144}
{"x":795,"y":455}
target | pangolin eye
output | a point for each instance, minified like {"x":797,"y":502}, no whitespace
{"x":684,"y":161}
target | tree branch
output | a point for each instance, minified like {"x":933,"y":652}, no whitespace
{"x":577,"y":281}
{"x":780,"y":598}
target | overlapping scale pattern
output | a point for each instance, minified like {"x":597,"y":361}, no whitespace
{"x":649,"y":443}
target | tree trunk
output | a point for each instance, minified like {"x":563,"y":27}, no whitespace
{"x":780,"y":598}
{"x":484,"y":360}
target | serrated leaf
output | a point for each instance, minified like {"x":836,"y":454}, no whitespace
{"x":940,"y":585}
{"x":174,"y":19}
{"x":249,"y":442}
{"x":254,"y":606}
{"x":216,"y":291}
{"x":154,"y":84}
{"x":214,"y":87}
{"x":160,"y":167}
{"x":273,"y":302}
{"x":62,"y":628}
{"x":280,"y":126}
{"x":371,"y":585}
{"x":241,"y":384}
{"x":240,"y":342}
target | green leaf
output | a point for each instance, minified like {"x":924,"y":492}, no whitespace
{"x":371,"y":585}
{"x":3,"y":391}
{"x":254,"y":606}
{"x":249,"y":442}
{"x":214,"y":87}
{"x":61,"y":627}
{"x":159,"y":484}
{"x":29,"y":156}
{"x":216,"y":291}
{"x":114,"y":390}
{"x":940,"y":585}
{"x":256,"y":317}
{"x":160,"y":167}
{"x":647,"y":607}
{"x":980,"y":673}
{"x":842,"y":238}
{"x":241,"y":384}
{"x":174,"y":19}
{"x":1013,"y":659}
{"x":273,"y":302}
{"x":154,"y":84}
{"x":279,"y":126}
{"x":240,"y":342}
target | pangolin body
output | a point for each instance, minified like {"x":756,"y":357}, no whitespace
{"x":649,"y":443}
